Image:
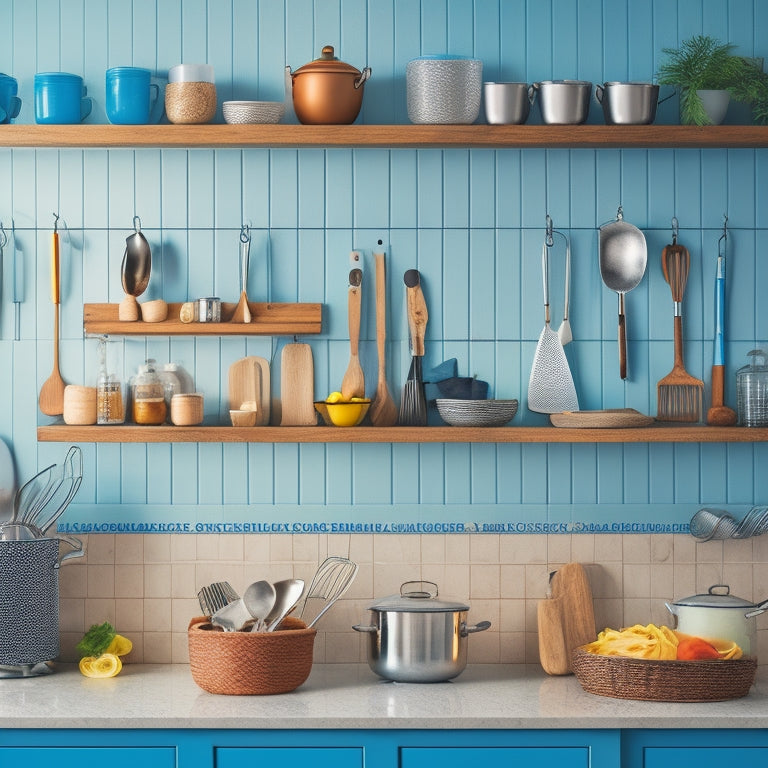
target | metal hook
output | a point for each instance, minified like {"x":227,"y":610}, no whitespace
{"x":55,"y":221}
{"x":550,"y":240}
{"x":245,"y":234}
{"x":675,"y":229}
{"x":620,"y":213}
{"x":136,"y":228}
{"x":724,"y":237}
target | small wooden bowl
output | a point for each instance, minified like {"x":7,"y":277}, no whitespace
{"x":79,"y":404}
{"x":154,"y":311}
{"x":243,"y":418}
{"x":187,"y":409}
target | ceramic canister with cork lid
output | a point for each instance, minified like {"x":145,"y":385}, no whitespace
{"x":190,"y":96}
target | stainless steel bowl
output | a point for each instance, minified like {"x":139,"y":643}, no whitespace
{"x":562,"y":102}
{"x":415,"y":637}
{"x":628,"y":103}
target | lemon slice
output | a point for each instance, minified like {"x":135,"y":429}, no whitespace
{"x":106,"y":665}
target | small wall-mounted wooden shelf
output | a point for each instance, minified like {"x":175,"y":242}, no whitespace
{"x":387,"y":136}
{"x":268,"y":320}
{"x":659,"y":433}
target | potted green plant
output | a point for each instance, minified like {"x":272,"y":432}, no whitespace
{"x":703,"y":64}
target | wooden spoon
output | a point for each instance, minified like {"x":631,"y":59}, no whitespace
{"x":353,"y":383}
{"x":242,"y":310}
{"x":383,"y":412}
{"x":51,"y":398}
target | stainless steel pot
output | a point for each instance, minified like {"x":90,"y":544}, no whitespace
{"x":417,"y":638}
{"x":562,"y":102}
{"x":718,"y":616}
{"x":628,"y":103}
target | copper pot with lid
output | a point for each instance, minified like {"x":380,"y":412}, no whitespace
{"x":327,"y":91}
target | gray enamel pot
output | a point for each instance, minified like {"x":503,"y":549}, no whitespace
{"x":416,"y":637}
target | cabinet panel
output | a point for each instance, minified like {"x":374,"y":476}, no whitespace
{"x":703,"y":757}
{"x":88,"y":757}
{"x":289,"y":757}
{"x":496,"y":757}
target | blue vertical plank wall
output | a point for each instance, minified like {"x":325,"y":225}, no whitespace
{"x":471,"y":220}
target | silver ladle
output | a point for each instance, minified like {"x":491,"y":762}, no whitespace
{"x":623,"y":258}
{"x":287,"y":594}
{"x":136,"y":268}
{"x":259,"y":599}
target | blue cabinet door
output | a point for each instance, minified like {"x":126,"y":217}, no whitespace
{"x":288,"y":757}
{"x":704,"y":757}
{"x":87,"y":757}
{"x":496,"y":757}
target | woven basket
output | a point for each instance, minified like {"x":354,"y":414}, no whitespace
{"x":648,"y":680}
{"x":248,"y":663}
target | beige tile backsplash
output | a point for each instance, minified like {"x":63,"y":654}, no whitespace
{"x":146,"y":585}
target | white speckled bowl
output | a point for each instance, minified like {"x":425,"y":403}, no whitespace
{"x":476,"y":413}
{"x":253,"y":111}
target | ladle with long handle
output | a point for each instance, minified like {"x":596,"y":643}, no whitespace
{"x":623,"y":258}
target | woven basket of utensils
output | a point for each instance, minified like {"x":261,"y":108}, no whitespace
{"x":621,"y":677}
{"x":249,"y":663}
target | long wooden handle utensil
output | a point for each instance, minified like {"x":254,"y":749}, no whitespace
{"x":383,"y":412}
{"x":242,"y":313}
{"x":51,"y":400}
{"x":413,"y":405}
{"x":353,"y":383}
{"x":679,"y":394}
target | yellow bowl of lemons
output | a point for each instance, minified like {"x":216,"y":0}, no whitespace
{"x":338,"y":412}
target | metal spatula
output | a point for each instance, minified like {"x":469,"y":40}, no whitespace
{"x":550,"y":387}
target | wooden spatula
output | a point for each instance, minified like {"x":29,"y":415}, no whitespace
{"x":353,"y":383}
{"x":383,"y":412}
{"x":297,"y":375}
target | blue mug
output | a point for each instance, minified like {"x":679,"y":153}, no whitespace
{"x":10,"y":103}
{"x":131,"y":98}
{"x":60,"y":99}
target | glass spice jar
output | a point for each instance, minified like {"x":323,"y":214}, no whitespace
{"x":148,"y":396}
{"x":110,"y":406}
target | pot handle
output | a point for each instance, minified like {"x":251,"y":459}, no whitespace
{"x":599,"y":93}
{"x":364,"y":75}
{"x":77,"y":548}
{"x":532,"y":91}
{"x":760,"y":608}
{"x":481,"y":626}
{"x":671,"y":609}
{"x":364,"y":628}
{"x":418,"y":593}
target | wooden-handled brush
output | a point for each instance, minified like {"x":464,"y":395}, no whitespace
{"x":679,"y":393}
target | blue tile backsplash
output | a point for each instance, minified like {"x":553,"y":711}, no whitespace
{"x":472,"y":221}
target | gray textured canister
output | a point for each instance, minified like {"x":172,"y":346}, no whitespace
{"x":444,"y":89}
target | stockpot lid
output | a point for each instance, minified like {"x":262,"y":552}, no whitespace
{"x":418,"y":597}
{"x":328,"y":63}
{"x":714,"y":599}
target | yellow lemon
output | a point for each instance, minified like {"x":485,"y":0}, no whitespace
{"x":335,"y":397}
{"x":120,"y":646}
{"x":106,"y":665}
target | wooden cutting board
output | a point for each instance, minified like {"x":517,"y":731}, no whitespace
{"x":249,"y":379}
{"x":572,"y":601}
{"x":297,"y":386}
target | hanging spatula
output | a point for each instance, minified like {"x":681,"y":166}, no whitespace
{"x":413,"y":405}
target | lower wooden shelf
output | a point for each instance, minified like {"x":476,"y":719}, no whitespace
{"x":658,"y":433}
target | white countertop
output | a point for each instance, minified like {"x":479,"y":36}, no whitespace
{"x":351,"y":696}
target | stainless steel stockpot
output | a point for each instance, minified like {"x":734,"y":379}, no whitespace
{"x":562,"y":102}
{"x":416,"y":637}
{"x":628,"y":103}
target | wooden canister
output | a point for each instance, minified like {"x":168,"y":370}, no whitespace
{"x":79,"y":404}
{"x":187,"y":409}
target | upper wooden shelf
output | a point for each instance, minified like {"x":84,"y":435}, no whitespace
{"x":658,"y":433}
{"x":267,"y":320}
{"x":392,"y":136}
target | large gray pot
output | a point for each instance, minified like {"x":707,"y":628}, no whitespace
{"x":417,"y":638}
{"x":29,"y":599}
